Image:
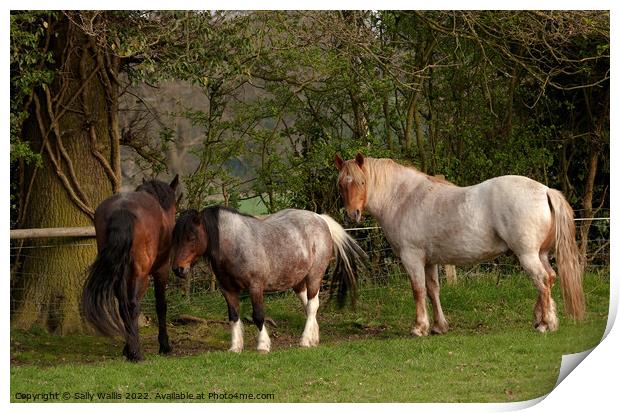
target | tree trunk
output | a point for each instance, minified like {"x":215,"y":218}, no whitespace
{"x":388,"y":126}
{"x":415,"y":119}
{"x":409,"y":121}
{"x":74,"y":122}
{"x":361,"y":123}
{"x":432,"y":123}
{"x":419,"y":135}
{"x":584,"y":229}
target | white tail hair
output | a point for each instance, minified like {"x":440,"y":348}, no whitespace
{"x":348,"y":254}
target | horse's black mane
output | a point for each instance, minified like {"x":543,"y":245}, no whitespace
{"x":210,"y":216}
{"x":184,"y":225}
{"x":161,"y":191}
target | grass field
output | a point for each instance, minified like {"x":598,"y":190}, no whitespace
{"x":490,"y":354}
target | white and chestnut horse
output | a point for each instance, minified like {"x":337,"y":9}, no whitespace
{"x":429,"y":221}
{"x":289,"y":249}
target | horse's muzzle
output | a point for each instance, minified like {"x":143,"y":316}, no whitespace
{"x":354,"y":216}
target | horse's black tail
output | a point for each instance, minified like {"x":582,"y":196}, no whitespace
{"x":348,"y":256}
{"x":107,"y":279}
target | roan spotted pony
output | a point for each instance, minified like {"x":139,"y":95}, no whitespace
{"x":289,"y":249}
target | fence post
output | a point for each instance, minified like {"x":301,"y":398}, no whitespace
{"x":450,"y":274}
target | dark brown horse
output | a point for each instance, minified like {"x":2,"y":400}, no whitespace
{"x":289,"y":249}
{"x":134,"y":232}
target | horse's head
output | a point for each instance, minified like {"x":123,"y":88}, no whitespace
{"x":189,"y":241}
{"x":163,"y":192}
{"x":352,"y":185}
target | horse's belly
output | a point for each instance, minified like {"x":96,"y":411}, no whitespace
{"x":283,"y":280}
{"x":466,"y":253}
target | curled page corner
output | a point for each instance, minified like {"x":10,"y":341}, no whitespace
{"x":569,"y":362}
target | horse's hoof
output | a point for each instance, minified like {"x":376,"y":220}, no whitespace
{"x":165,"y":349}
{"x":132,"y":355}
{"x":553,"y":326}
{"x":264,"y":348}
{"x":440,"y":328}
{"x":542,"y":327}
{"x":418,"y":332}
{"x":305,"y":342}
{"x":135,"y":358}
{"x":235,"y":349}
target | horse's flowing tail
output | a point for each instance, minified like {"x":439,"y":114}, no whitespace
{"x":569,"y":260}
{"x":348,"y":256}
{"x":107,"y":279}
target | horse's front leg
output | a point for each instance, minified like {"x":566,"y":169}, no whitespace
{"x":440,"y":325}
{"x":236,"y":326}
{"x":413,"y":261}
{"x":160,"y":279}
{"x":258,"y":316}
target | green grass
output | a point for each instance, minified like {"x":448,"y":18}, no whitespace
{"x":490,"y":354}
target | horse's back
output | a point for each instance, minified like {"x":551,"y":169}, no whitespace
{"x":464,"y":225}
{"x":306,"y":228}
{"x":298,"y":216}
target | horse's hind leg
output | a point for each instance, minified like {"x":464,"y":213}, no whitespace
{"x":551,"y":319}
{"x":130,"y":311}
{"x":545,"y":318}
{"x":160,"y":279}
{"x":440,"y":325}
{"x":310,"y":336}
{"x":258,"y":316}
{"x":236,"y":326}
{"x":414,"y":265}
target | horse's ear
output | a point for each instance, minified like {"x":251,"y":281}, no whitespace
{"x":359,"y":158}
{"x":339,"y":161}
{"x":179,"y":198}
{"x":175,"y":182}
{"x":143,"y":180}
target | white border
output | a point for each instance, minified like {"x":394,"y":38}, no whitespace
{"x":592,"y":386}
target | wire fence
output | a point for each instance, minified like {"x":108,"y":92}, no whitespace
{"x":383,"y":267}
